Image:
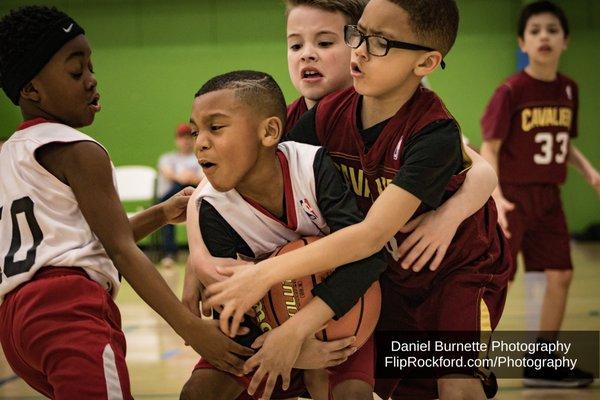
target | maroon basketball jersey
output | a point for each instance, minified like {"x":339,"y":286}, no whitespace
{"x":535,"y":119}
{"x":294,"y":112}
{"x":368,"y":174}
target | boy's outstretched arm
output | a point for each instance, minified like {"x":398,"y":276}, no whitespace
{"x":238,"y":293}
{"x":490,"y":150}
{"x":430,"y":158}
{"x":86,"y":168}
{"x":583,"y":165}
{"x":432,"y":232}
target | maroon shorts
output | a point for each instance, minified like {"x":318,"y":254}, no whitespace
{"x":462,"y":301}
{"x":359,"y":366}
{"x":296,"y":388}
{"x":61,"y":332}
{"x":538,"y":227}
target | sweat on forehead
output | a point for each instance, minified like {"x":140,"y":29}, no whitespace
{"x":256,"y":89}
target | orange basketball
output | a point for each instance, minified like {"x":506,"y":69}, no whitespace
{"x":287,"y":298}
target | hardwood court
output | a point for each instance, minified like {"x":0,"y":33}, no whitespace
{"x":159,"y":363}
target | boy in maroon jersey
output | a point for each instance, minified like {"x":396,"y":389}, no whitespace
{"x":318,"y":61}
{"x":527,"y":128}
{"x":317,"y":57}
{"x":400,"y":149}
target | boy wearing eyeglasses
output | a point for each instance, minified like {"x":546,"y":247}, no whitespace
{"x":400,"y":149}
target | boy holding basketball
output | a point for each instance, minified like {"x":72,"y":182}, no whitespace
{"x":260,"y":195}
{"x":401,"y":150}
{"x":65,"y":240}
{"x":527,"y":129}
{"x":318,"y":65}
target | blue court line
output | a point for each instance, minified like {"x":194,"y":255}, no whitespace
{"x":7,"y":379}
{"x":170,"y":354}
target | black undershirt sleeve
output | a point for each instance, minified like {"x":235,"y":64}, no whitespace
{"x":430,"y":159}
{"x":348,"y":283}
{"x":305,"y":130}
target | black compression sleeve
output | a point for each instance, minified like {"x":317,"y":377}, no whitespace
{"x":342,"y":289}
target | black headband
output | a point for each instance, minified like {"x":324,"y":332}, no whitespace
{"x":23,"y":71}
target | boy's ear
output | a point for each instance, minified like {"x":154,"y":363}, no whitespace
{"x":521,"y":44}
{"x":29,"y":92}
{"x":427,"y":63}
{"x":272,"y":131}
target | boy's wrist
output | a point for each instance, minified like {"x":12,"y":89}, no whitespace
{"x":295,"y":328}
{"x":268,"y":273}
{"x":453,"y":215}
{"x":161,"y":213}
{"x":184,"y":324}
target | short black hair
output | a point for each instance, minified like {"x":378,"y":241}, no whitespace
{"x":256,"y":89}
{"x":350,"y":9}
{"x":20,"y":31}
{"x":540,"y":7}
{"x":434,"y":22}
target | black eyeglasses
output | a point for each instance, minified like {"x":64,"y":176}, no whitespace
{"x":379,"y":46}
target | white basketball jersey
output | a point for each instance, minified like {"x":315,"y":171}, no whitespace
{"x":257,"y":228}
{"x":40,"y":221}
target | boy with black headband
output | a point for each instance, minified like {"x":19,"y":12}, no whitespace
{"x":64,"y":237}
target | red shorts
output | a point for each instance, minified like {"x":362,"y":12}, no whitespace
{"x":61,"y":332}
{"x":538,"y":227}
{"x":359,"y":366}
{"x":296,"y":389}
{"x":463,"y":301}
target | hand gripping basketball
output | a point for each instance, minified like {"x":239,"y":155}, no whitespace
{"x":287,"y":298}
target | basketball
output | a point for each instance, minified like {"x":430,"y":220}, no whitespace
{"x":287,"y":298}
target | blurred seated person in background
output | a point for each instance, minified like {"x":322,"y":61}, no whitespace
{"x":176,"y":170}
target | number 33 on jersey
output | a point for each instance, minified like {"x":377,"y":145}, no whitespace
{"x":535,"y":121}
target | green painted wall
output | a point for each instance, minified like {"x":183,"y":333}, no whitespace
{"x":150,"y":56}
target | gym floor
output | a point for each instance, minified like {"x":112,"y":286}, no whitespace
{"x":159,"y":363}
